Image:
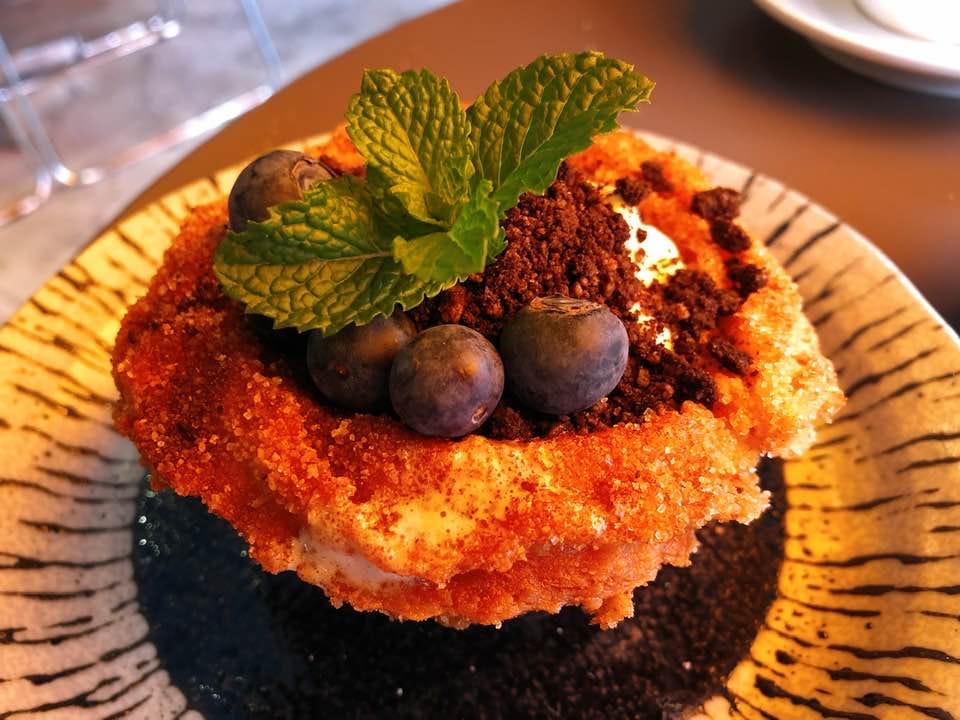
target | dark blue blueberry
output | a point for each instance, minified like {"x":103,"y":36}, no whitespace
{"x":351,"y":368}
{"x":279,"y":176}
{"x":447,"y":381}
{"x":562,"y":355}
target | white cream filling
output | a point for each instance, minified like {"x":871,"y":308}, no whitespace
{"x":324,"y":562}
{"x":659,"y":259}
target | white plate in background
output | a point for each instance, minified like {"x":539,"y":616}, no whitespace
{"x":845,"y":34}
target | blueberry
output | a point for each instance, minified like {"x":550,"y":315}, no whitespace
{"x":351,"y":368}
{"x":562,"y":355}
{"x":447,"y":381}
{"x":279,"y":176}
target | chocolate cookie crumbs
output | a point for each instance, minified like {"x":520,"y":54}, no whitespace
{"x":570,"y":242}
{"x":730,"y":236}
{"x":654,"y":177}
{"x":716,"y":204}
{"x":697,"y":301}
{"x":746,"y":277}
{"x":729,"y":356}
{"x":632,"y":189}
{"x":566,"y":242}
{"x":692,"y":381}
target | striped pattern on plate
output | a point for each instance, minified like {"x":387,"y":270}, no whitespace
{"x":866,"y":622}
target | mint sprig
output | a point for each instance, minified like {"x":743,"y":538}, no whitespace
{"x":438,"y":180}
{"x":415,"y":137}
{"x":525,"y":125}
{"x":460,"y":251}
{"x":320,"y":263}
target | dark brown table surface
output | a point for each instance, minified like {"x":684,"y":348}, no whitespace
{"x":729,"y":79}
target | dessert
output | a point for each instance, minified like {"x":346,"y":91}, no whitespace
{"x":523,"y":388}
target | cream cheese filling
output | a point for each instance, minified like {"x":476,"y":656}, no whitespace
{"x":660,"y":258}
{"x":324,"y":562}
{"x":656,"y":256}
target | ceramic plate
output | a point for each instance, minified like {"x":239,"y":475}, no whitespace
{"x":843,"y":601}
{"x":840,"y":30}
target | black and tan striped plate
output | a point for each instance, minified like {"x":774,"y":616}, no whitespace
{"x":842,"y":602}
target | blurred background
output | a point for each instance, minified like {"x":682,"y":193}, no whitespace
{"x":99,"y":97}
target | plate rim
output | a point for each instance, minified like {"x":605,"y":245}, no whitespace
{"x":791,"y":14}
{"x":691,"y":150}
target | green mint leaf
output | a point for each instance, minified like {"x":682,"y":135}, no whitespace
{"x":415,"y":137}
{"x":438,"y":179}
{"x":463,"y":250}
{"x":321,"y":263}
{"x":525,"y":125}
{"x":431,"y":256}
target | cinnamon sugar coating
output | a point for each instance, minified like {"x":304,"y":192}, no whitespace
{"x":476,"y":530}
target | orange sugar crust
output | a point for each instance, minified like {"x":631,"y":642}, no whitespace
{"x":474,"y":530}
